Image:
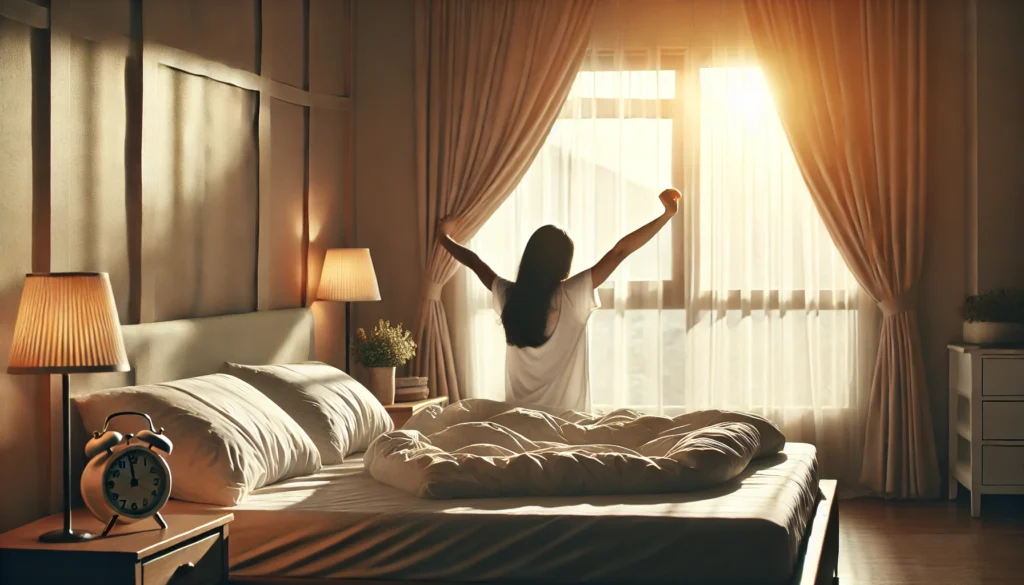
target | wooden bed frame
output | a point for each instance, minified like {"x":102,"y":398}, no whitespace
{"x":818,"y":565}
{"x":173,"y":350}
{"x":819,"y":561}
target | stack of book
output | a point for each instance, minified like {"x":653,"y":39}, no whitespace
{"x":411,"y":389}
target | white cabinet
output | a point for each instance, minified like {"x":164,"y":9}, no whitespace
{"x":986,"y":421}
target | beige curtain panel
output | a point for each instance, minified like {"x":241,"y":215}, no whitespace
{"x":491,"y":78}
{"x":848,"y":79}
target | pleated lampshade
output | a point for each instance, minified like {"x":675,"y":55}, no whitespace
{"x":348,"y":276}
{"x":67,"y":323}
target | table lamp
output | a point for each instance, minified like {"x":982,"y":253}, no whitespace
{"x":348,"y":277}
{"x":67,"y":324}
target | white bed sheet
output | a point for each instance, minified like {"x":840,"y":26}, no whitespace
{"x":342,"y":524}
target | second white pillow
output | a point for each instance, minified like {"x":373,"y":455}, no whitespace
{"x":338,"y":413}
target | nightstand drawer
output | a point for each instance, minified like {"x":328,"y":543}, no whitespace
{"x":199,"y":563}
{"x":1002,"y":465}
{"x":1003,"y":421}
{"x":1002,"y":377}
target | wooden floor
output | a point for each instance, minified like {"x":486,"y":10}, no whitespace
{"x":934,"y":543}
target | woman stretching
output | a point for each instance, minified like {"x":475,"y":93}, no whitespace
{"x":545,"y":315}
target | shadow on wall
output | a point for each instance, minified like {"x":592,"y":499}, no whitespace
{"x":26,"y":406}
{"x":90,"y":157}
{"x":24,"y":410}
{"x":205,"y":241}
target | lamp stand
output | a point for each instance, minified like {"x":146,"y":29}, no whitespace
{"x":348,"y":338}
{"x":66,"y":534}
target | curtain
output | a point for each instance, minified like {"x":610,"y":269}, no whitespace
{"x":490,"y":80}
{"x":848,"y":80}
{"x":742,"y":302}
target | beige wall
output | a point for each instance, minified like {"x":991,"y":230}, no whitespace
{"x":999,"y":185}
{"x":670,"y":23}
{"x":943,"y":279}
{"x":974,"y":173}
{"x":24,"y":414}
{"x":206,"y":173}
{"x":385,"y":157}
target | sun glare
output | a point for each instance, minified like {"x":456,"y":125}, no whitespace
{"x":738,"y":92}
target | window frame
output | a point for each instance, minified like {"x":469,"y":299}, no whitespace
{"x":682,"y":291}
{"x":672,"y":294}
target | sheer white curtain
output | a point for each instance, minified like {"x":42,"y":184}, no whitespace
{"x":742,"y":302}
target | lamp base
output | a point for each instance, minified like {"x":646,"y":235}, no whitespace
{"x":66,"y":536}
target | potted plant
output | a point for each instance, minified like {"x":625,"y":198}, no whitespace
{"x":995,"y":317}
{"x":381,"y":351}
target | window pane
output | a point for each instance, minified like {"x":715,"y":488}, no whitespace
{"x":630,"y":162}
{"x":645,"y":85}
{"x":759,"y":229}
{"x":598,"y":179}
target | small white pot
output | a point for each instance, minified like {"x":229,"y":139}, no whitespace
{"x":382,"y":384}
{"x":991,"y":333}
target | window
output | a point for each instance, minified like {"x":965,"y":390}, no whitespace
{"x":741,"y":302}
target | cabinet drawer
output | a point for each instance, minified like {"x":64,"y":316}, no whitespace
{"x":1002,"y":465}
{"x":1003,"y":421}
{"x":199,"y":563}
{"x":1002,"y":377}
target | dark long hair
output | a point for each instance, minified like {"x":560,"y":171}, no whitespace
{"x":544,"y":266}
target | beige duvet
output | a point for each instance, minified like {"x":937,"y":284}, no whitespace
{"x":483,"y":448}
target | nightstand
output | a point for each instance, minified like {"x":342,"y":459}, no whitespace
{"x":193,"y":550}
{"x":986,"y":421}
{"x":401,"y":412}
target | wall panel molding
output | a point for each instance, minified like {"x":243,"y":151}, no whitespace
{"x":158,"y":55}
{"x":96,"y":22}
{"x":196,"y":65}
{"x":25,"y":12}
{"x":265,"y":45}
{"x":113,"y":191}
{"x":41,"y":144}
{"x":133,"y":160}
{"x":305,"y":168}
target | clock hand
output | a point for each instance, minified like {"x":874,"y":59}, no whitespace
{"x":131,"y":466}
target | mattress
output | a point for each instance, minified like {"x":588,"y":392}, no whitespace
{"x":342,"y":524}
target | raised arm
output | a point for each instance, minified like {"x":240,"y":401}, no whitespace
{"x":635,"y":240}
{"x":464,"y":255}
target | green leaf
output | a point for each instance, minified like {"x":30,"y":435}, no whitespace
{"x":996,"y":306}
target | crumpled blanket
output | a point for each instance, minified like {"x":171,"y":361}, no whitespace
{"x":482,"y":448}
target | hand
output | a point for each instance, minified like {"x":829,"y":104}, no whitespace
{"x":447,"y":225}
{"x":670,"y":199}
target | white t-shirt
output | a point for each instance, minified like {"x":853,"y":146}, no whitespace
{"x":555,"y":376}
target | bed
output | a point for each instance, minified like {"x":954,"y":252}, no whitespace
{"x":776,"y":523}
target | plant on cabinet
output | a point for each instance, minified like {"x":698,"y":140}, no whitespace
{"x":994,"y":317}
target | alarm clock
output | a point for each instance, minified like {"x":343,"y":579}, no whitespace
{"x":127,"y":478}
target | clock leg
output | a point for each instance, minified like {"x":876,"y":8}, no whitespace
{"x":160,"y":520}
{"x":109,"y":526}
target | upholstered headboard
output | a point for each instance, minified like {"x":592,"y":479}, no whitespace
{"x":172,"y":350}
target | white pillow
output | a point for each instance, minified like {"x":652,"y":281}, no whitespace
{"x":340,"y":415}
{"x":229,"y":439}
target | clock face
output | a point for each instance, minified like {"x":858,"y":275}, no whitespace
{"x":135,"y":482}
